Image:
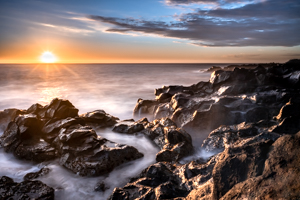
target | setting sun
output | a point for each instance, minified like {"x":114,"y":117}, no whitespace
{"x":48,"y":57}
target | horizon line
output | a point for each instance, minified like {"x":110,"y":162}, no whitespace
{"x":91,"y":63}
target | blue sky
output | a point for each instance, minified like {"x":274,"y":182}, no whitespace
{"x":150,"y":30}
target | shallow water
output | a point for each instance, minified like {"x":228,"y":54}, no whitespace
{"x":114,"y":88}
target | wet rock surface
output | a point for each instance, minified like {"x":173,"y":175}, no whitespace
{"x":45,"y":133}
{"x":246,"y":117}
{"x":24,"y":190}
{"x":174,"y":142}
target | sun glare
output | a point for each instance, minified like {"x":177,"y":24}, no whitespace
{"x":48,"y":57}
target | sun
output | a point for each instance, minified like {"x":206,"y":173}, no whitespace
{"x":48,"y":57}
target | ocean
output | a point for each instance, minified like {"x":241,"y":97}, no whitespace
{"x":114,"y":88}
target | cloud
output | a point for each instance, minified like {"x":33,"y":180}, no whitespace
{"x":264,"y":23}
{"x":69,"y":29}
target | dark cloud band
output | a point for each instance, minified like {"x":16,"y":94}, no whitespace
{"x":268,"y":23}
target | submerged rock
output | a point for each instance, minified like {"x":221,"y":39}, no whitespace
{"x":33,"y":175}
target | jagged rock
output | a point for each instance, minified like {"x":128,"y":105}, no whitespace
{"x":57,"y":109}
{"x":144,"y":107}
{"x":56,"y":131}
{"x":24,"y":190}
{"x":100,"y":161}
{"x":51,"y":129}
{"x":9,"y":115}
{"x":174,"y":142}
{"x":238,"y":164}
{"x":219,"y":76}
{"x":33,"y":175}
{"x":163,"y":180}
{"x":280,"y":176}
{"x":86,"y":154}
{"x":99,"y":118}
{"x":213,"y":68}
{"x":23,"y":137}
{"x":131,"y":127}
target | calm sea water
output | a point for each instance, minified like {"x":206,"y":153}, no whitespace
{"x":114,"y":88}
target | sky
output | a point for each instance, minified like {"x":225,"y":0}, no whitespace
{"x":150,"y":31}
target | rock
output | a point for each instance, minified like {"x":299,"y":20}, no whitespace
{"x":99,"y":118}
{"x":33,"y":175}
{"x":24,"y":190}
{"x":51,"y":129}
{"x":23,"y":137}
{"x":129,"y":127}
{"x":56,"y":131}
{"x":101,"y":161}
{"x":174,"y":142}
{"x":163,"y":180}
{"x":143,"y":108}
{"x":279,"y":179}
{"x":238,"y":164}
{"x":163,"y":97}
{"x":57,"y":109}
{"x":101,"y":187}
{"x":8,"y":115}
{"x":213,"y":68}
{"x":219,"y":76}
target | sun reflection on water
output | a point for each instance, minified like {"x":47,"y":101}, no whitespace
{"x":49,"y":93}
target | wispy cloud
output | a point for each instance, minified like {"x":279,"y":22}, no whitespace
{"x":69,"y":29}
{"x":256,"y":23}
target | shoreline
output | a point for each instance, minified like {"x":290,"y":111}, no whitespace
{"x":243,"y":113}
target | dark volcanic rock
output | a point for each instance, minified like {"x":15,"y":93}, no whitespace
{"x":130,"y":127}
{"x":33,"y":175}
{"x":9,"y":115}
{"x":280,"y":177}
{"x":23,"y":137}
{"x":174,"y":142}
{"x":163,"y":180}
{"x":99,"y":118}
{"x":213,"y":68}
{"x":100,"y":161}
{"x":242,"y":163}
{"x":144,"y":107}
{"x":86,"y":154}
{"x":24,"y":190}
{"x":56,"y":131}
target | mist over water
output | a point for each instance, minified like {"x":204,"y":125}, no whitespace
{"x":114,"y":88}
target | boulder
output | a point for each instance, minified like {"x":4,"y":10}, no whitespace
{"x":99,"y":119}
{"x":24,"y":138}
{"x":130,"y":127}
{"x":101,"y":161}
{"x":9,"y":115}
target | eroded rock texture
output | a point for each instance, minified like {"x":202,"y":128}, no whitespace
{"x":44,"y":133}
{"x":24,"y":190}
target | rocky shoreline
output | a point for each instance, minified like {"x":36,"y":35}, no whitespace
{"x":247,"y":118}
